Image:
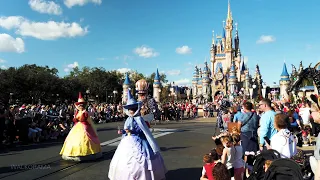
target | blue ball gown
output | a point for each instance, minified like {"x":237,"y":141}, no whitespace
{"x":135,"y":158}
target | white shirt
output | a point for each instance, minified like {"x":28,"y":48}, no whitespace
{"x":285,"y":143}
{"x":305,"y":115}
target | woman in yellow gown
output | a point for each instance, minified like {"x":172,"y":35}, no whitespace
{"x":82,"y":142}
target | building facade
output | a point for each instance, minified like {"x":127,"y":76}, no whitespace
{"x":227,"y":73}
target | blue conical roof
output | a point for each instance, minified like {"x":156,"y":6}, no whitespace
{"x":157,"y":76}
{"x":127,"y":80}
{"x":223,"y":33}
{"x":284,"y":70}
{"x":284,"y":74}
{"x":243,"y":66}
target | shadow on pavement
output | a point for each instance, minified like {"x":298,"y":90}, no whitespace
{"x":31,"y":146}
{"x":106,"y":129}
{"x":185,"y":174}
{"x":171,"y":148}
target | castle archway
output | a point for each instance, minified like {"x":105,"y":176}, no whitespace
{"x":218,"y":93}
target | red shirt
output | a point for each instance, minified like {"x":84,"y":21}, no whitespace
{"x":209,"y":168}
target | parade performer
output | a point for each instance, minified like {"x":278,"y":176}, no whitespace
{"x":149,"y":105}
{"x":82,"y":142}
{"x":138,"y":155}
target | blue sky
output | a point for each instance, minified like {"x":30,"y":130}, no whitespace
{"x":144,"y":34}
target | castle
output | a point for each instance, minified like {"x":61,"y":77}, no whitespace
{"x":227,"y":73}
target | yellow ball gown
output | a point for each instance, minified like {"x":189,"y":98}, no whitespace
{"x":82,"y":142}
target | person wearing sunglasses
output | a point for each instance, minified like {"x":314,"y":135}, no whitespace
{"x":266,"y":122}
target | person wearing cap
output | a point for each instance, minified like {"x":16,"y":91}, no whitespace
{"x":82,"y":142}
{"x":138,"y":155}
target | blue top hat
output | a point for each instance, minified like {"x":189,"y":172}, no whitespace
{"x":131,"y":102}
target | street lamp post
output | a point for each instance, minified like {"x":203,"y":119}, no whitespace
{"x":264,"y":89}
{"x":304,"y":94}
{"x":97,"y":98}
{"x":11,"y":99}
{"x":251,"y":93}
{"x":114,"y":95}
{"x":87,"y":94}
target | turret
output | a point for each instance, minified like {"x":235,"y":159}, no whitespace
{"x":232,"y":81}
{"x":247,"y":83}
{"x":205,"y":81}
{"x":284,"y":83}
{"x":156,"y":86}
{"x":195,"y":82}
{"x":229,"y":28}
{"x":125,"y":87}
{"x":237,"y":42}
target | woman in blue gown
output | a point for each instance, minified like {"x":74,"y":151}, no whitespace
{"x":138,"y":155}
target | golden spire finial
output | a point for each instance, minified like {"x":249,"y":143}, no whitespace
{"x":229,"y":11}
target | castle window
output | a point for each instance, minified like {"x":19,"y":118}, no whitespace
{"x":219,"y":66}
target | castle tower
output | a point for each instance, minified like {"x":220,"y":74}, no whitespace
{"x":156,"y":87}
{"x":258,"y":79}
{"x":247,"y":83}
{"x":195,"y":82}
{"x":205,"y":81}
{"x":232,"y":82}
{"x":199,"y":86}
{"x":212,"y":53}
{"x":237,"y":53}
{"x":284,"y":83}
{"x":125,"y":87}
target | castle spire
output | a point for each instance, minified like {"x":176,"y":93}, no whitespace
{"x":236,"y":24}
{"x":223,"y":30}
{"x":126,"y":80}
{"x":284,"y":74}
{"x":229,"y":16}
{"x":157,"y":76}
{"x":213,"y":39}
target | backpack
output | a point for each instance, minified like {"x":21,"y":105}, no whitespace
{"x":258,"y":166}
{"x":284,"y":169}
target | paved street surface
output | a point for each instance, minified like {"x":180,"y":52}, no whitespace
{"x":182,"y":144}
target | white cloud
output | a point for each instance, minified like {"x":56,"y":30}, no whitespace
{"x":45,"y":7}
{"x":182,"y":82}
{"x":101,"y":58}
{"x":69,"y":67}
{"x":50,"y":30}
{"x":2,"y":61}
{"x":10,"y":44}
{"x":11,"y":22}
{"x":184,"y":50}
{"x":266,"y":39}
{"x":71,"y":3}
{"x":3,"y":67}
{"x":174,"y":72}
{"x":75,"y":64}
{"x":146,"y":52}
{"x":123,"y":70}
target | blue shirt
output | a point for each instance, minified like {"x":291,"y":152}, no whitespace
{"x":295,"y":118}
{"x":237,"y":116}
{"x":253,"y":123}
{"x":266,"y":126}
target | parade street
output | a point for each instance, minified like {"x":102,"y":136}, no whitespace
{"x":183,"y":145}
